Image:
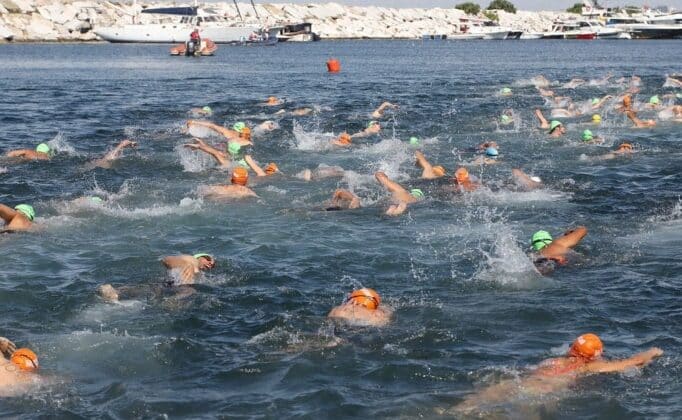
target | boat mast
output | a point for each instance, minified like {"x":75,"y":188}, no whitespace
{"x":238,"y":11}
{"x":254,"y":9}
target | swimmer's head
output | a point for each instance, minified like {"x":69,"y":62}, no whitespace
{"x":506,"y":91}
{"x":505,"y":119}
{"x":587,"y":135}
{"x":491,"y":152}
{"x":233,"y":148}
{"x":439,"y":170}
{"x":207,"y":109}
{"x":625,"y":146}
{"x":540,"y":239}
{"x":344,"y":138}
{"x":43,"y":148}
{"x":417,"y":193}
{"x":554,"y":125}
{"x":595,"y":101}
{"x":372,"y":123}
{"x":462,"y":175}
{"x":272,"y":100}
{"x":654,"y":100}
{"x":239,"y":126}
{"x":271,"y":168}
{"x":587,"y":346}
{"x":206,"y":261}
{"x":26,"y":210}
{"x":414,"y":141}
{"x":366,"y":297}
{"x":240,"y":176}
{"x":95,"y":199}
{"x":245,"y":133}
{"x":596,"y":118}
{"x":25,"y":359}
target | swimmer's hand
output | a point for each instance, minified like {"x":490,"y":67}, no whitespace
{"x":650,"y":355}
{"x":128,"y":143}
{"x":7,"y":347}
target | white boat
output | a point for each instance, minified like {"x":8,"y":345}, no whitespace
{"x":656,"y":27}
{"x":297,"y":32}
{"x":491,"y":30}
{"x":174,"y":24}
{"x":570,"y":30}
{"x":531,"y":35}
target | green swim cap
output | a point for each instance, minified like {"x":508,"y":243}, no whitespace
{"x":506,"y":91}
{"x":505,"y":119}
{"x":197,"y":256}
{"x":26,"y":210}
{"x":587,"y":135}
{"x":679,"y":95}
{"x":371,"y":123}
{"x":239,"y":126}
{"x":233,"y":148}
{"x":95,"y":199}
{"x":595,"y":101}
{"x":417,"y":193}
{"x":553,"y":125}
{"x":43,"y":148}
{"x":414,"y":141}
{"x":242,"y":162}
{"x":207,"y":109}
{"x":540,"y":239}
{"x":654,"y":100}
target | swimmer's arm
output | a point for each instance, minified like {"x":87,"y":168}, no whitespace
{"x":638,"y":360}
{"x":397,"y":209}
{"x":541,"y":118}
{"x":423,"y":163}
{"x":116,"y":153}
{"x":7,"y":213}
{"x":363,"y":133}
{"x":380,"y":111}
{"x":252,"y":163}
{"x":391,"y":186}
{"x":18,"y":153}
{"x":341,"y":194}
{"x":179,"y":261}
{"x":571,"y":237}
{"x":7,"y":347}
{"x":225,"y":132}
{"x":219,"y":156}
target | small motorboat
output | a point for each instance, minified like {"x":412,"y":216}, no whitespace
{"x":191,"y":49}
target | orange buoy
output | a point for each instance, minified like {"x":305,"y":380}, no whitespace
{"x":333,"y":65}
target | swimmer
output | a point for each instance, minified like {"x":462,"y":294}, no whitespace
{"x":672,"y":113}
{"x":344,"y":200}
{"x":107,"y":161}
{"x":597,"y":103}
{"x":640,"y":123}
{"x":525,"y":181}
{"x":240,"y":133}
{"x":202,"y":112}
{"x":507,"y":117}
{"x":272,"y":101}
{"x":584,"y":357}
{"x":626,"y":104}
{"x":265,"y":127}
{"x":589,"y":137}
{"x":322,"y":172}
{"x":299,"y":112}
{"x":428,"y":171}
{"x":625,"y":149}
{"x":545,"y":92}
{"x":343,"y":140}
{"x":236,"y":190}
{"x":41,"y":152}
{"x":540,"y":81}
{"x":399,"y":194}
{"x":489,"y":158}
{"x":463,"y":180}
{"x":362,"y":308}
{"x":554,"y":251}
{"x":505,"y":91}
{"x":486,"y":144}
{"x":185,"y":266}
{"x":596,"y":119}
{"x":270,"y":169}
{"x":373,"y":128}
{"x":574,"y":83}
{"x":674,"y":80}
{"x":17,"y":369}
{"x":556,"y":128}
{"x":379,"y":112}
{"x":17,"y":219}
{"x":222,"y":158}
{"x":654,"y":103}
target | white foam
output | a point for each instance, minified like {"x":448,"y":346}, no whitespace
{"x":202,"y":132}
{"x":487,"y":196}
{"x":194,"y":161}
{"x":3,"y":170}
{"x":311,"y":140}
{"x":59,"y":144}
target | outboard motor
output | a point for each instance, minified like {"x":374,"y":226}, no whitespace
{"x":190,"y":48}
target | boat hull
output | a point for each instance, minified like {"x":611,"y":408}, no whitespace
{"x":173,"y":33}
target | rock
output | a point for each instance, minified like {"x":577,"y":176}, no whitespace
{"x":17,"y":6}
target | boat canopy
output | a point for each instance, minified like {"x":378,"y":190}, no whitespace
{"x":182,"y":11}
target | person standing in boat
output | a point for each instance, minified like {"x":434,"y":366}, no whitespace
{"x":195,"y":38}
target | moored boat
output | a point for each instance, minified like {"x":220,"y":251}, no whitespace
{"x":206,"y":48}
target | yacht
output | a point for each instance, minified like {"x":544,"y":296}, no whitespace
{"x":570,"y":30}
{"x":174,"y":24}
{"x":297,"y":32}
{"x":642,"y":27}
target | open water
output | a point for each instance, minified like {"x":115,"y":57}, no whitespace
{"x":253,"y":341}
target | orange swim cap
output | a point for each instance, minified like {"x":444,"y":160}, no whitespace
{"x":439,"y":170}
{"x":272,"y":100}
{"x":462,"y":175}
{"x":240,"y":176}
{"x":271,"y":168}
{"x":627,"y":101}
{"x":25,"y":359}
{"x":366,"y":297}
{"x":245,"y":133}
{"x":625,"y":146}
{"x":588,"y":346}
{"x":344,"y":138}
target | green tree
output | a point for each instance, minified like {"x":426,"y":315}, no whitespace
{"x":469,"y":8}
{"x":505,"y":5}
{"x":576,"y":8}
{"x":491,"y":15}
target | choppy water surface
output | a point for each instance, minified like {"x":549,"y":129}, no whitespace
{"x":253,"y":341}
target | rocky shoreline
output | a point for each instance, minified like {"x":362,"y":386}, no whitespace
{"x":74,"y":20}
